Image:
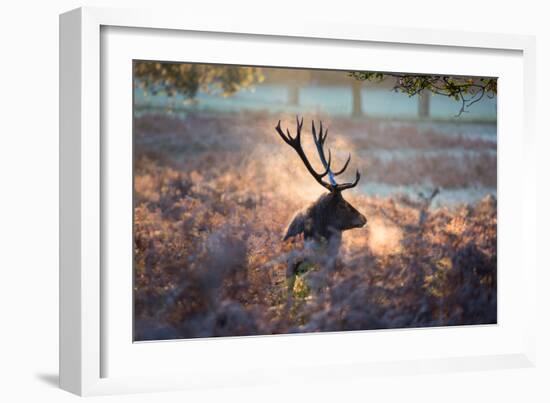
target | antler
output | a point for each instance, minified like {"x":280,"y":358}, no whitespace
{"x":319,"y":140}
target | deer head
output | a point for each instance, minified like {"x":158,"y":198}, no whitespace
{"x":330,"y":214}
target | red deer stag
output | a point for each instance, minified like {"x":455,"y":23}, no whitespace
{"x":330,"y":214}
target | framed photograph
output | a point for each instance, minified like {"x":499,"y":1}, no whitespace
{"x":259,"y":203}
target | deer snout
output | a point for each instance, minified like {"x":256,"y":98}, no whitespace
{"x":361,"y":221}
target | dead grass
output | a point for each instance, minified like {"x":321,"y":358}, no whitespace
{"x":210,"y":212}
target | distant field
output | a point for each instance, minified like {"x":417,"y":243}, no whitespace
{"x":393,"y":157}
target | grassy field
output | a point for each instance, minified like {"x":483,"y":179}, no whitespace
{"x":213,"y":196}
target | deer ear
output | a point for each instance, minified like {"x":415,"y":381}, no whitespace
{"x":295,"y":227}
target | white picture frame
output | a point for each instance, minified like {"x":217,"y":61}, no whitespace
{"x":88,"y":332}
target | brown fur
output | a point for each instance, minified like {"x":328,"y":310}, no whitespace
{"x":325,"y":218}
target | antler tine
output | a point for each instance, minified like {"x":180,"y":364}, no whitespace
{"x":327,"y":170}
{"x":345,"y":186}
{"x":322,"y":136}
{"x":290,"y":136}
{"x":341,"y":171}
{"x":319,"y":140}
{"x":295,"y":143}
{"x":319,"y":143}
{"x":299,"y":123}
{"x":282,"y":134}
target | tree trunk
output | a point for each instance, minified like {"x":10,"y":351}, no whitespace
{"x":356,"y":94}
{"x":424,"y":104}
